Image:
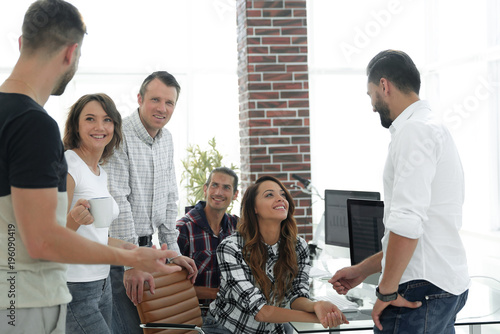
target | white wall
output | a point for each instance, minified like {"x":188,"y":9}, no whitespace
{"x":455,"y":52}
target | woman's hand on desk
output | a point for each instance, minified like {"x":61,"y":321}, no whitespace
{"x":346,"y":278}
{"x":329,"y":314}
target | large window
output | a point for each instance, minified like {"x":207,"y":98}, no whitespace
{"x":195,"y":40}
{"x":457,"y":52}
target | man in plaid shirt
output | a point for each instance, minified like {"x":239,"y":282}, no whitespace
{"x":204,"y":227}
{"x":141,"y":178}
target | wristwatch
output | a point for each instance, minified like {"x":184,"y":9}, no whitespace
{"x":386,"y":298}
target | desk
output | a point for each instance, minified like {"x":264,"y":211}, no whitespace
{"x":482,"y":308}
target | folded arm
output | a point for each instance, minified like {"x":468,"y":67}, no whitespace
{"x":203,"y":292}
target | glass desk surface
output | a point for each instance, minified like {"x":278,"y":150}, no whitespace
{"x":482,"y":307}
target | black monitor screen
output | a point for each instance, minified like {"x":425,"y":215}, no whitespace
{"x":366,"y":228}
{"x":336,"y":231}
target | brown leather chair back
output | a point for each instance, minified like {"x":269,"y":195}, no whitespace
{"x":174,"y":302}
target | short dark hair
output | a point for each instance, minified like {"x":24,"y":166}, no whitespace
{"x":397,"y":67}
{"x":52,"y":24}
{"x":227,"y":171}
{"x":72,"y":139}
{"x":165,"y":77}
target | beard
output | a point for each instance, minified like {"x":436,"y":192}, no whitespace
{"x":64,"y":80}
{"x":383,"y":110}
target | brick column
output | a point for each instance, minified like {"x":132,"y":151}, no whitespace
{"x":274,"y":96}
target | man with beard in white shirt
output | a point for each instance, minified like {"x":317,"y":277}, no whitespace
{"x":425,"y":279}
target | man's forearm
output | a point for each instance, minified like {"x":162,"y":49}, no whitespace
{"x":60,"y":244}
{"x":371,"y":265}
{"x":120,"y":243}
{"x":35,"y":212}
{"x":203,"y":292}
{"x":123,"y":225}
{"x":169,"y":237}
{"x":399,"y":253}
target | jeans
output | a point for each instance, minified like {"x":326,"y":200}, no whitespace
{"x":91,"y":308}
{"x":211,"y":326}
{"x":436,"y":315}
{"x":125,"y":317}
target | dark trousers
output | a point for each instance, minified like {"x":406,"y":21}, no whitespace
{"x":437,"y":314}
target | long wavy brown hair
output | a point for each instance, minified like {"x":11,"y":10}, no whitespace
{"x":255,"y":251}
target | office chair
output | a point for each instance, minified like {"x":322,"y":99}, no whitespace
{"x":173,"y":309}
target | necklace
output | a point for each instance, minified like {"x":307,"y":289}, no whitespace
{"x":27,"y":85}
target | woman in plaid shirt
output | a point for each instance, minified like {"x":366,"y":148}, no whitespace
{"x":265,"y":269}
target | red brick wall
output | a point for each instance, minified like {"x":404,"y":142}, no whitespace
{"x":274,"y":96}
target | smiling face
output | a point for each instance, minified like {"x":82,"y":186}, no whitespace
{"x":156,"y":106}
{"x":271,"y":203}
{"x":220,"y":192}
{"x":95,"y":127}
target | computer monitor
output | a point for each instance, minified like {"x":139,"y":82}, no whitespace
{"x":336,"y":229}
{"x":365,"y":220}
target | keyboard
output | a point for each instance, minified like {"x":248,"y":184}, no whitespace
{"x":340,"y":301}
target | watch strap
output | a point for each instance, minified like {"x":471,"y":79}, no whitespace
{"x":386,"y":298}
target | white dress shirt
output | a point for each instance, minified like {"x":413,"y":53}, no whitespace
{"x":423,"y":195}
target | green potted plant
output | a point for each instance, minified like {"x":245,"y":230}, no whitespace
{"x":197,"y":166}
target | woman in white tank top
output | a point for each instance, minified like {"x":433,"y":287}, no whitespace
{"x":92,"y":132}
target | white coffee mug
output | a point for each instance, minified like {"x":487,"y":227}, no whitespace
{"x":102,"y":210}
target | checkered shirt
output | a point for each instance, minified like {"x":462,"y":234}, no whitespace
{"x":141,"y":178}
{"x":239,"y":299}
{"x":197,"y":241}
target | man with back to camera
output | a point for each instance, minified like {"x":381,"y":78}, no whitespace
{"x":141,"y":178}
{"x":204,"y":227}
{"x":33,"y":199}
{"x":425,"y":279}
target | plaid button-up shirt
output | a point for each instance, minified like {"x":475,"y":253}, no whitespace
{"x":141,"y":178}
{"x":197,"y":241}
{"x":239,"y":299}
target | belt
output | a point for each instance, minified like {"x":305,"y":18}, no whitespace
{"x":145,"y":241}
